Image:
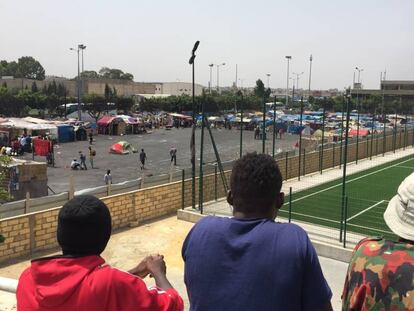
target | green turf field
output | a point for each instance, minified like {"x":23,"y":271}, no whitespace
{"x":368,"y":194}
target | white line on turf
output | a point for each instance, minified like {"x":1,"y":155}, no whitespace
{"x":365,"y":210}
{"x":403,"y":166}
{"x":368,"y":228}
{"x":320,"y":218}
{"x":348,"y":181}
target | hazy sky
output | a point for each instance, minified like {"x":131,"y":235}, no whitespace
{"x":153,"y":39}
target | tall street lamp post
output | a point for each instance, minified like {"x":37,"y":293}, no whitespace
{"x":268,"y":79}
{"x":211,"y":76}
{"x":287,"y":80}
{"x":191,"y":62}
{"x":297,"y":80}
{"x":358,"y":108}
{"x":218,"y":76}
{"x":310,"y":76}
{"x":78,"y":84}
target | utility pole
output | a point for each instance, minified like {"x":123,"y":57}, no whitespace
{"x":193,"y":148}
{"x":288,"y":57}
{"x":211,"y":75}
{"x":310,"y":76}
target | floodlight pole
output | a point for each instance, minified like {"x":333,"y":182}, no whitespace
{"x":348,"y":109}
{"x":274,"y":128}
{"x":288,"y":57}
{"x":193,"y":148}
{"x":241,"y":126}
{"x":300,"y":136}
{"x":264,"y":126}
{"x":201,"y":175}
{"x":358,"y":107}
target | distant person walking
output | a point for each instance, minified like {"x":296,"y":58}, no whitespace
{"x":142,"y":158}
{"x":173,"y":155}
{"x":92,"y":154}
{"x":108,"y":178}
{"x":281,"y":133}
{"x":257,"y":132}
{"x":82,"y":158}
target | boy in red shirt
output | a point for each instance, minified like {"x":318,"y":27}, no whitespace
{"x":79,"y":279}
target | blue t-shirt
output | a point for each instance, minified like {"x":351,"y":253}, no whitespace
{"x":252,"y":265}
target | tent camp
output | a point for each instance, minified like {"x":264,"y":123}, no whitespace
{"x":363,"y":132}
{"x":307,"y":131}
{"x":111,"y":125}
{"x":122,"y":147}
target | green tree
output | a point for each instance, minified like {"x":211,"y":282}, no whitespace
{"x":34,"y":87}
{"x":108,"y":92}
{"x":259,"y":89}
{"x":114,"y":73}
{"x":94,"y":105}
{"x":124,"y":104}
{"x":28,"y":67}
{"x":89,"y":74}
{"x":52,"y":103}
{"x":127,"y":76}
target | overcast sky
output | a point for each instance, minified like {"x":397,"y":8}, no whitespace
{"x":153,"y":39}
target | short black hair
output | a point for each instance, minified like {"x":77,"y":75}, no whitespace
{"x":255,"y":182}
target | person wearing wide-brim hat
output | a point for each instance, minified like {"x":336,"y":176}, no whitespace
{"x":381,"y":272}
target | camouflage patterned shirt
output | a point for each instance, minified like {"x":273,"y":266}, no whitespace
{"x":380,"y":277}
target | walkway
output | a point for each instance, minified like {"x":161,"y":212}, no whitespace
{"x":127,"y":248}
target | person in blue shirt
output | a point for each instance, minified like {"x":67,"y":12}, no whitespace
{"x":250,"y":262}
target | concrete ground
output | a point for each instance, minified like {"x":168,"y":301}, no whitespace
{"x":128,"y":247}
{"x":156,"y":145}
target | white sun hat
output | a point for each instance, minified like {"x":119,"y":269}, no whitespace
{"x":399,"y":215}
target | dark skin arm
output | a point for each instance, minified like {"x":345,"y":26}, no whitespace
{"x":153,"y":265}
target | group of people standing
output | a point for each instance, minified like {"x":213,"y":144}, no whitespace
{"x":246,"y":262}
{"x":81,"y":164}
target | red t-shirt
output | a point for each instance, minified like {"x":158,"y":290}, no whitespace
{"x":87,"y":283}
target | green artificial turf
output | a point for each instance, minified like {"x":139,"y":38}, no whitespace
{"x":368,"y":194}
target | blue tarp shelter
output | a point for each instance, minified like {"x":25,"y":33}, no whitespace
{"x":66,"y":133}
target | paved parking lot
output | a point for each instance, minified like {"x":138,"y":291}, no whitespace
{"x":156,"y":145}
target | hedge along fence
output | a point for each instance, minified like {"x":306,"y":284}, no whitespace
{"x":36,"y":231}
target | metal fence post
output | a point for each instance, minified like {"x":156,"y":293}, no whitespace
{"x":357,"y":138}
{"x":300,"y":136}
{"x":345,"y":220}
{"x":286,"y":165}
{"x":333,"y":155}
{"x":182,"y":188}
{"x":290,"y":204}
{"x":376,"y":145}
{"x":384,"y":138}
{"x":215,"y":182}
{"x":323,"y":138}
{"x":366,"y":146}
{"x":304,"y":161}
{"x":348,"y":110}
{"x":412,"y":138}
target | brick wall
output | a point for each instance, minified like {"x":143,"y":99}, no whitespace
{"x":32,"y":232}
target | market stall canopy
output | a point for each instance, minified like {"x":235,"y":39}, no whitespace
{"x":180,"y":116}
{"x":105,"y":120}
{"x":362,"y":132}
{"x":23,"y":123}
{"x":122,"y":147}
{"x":128,"y":119}
{"x":307,"y":131}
